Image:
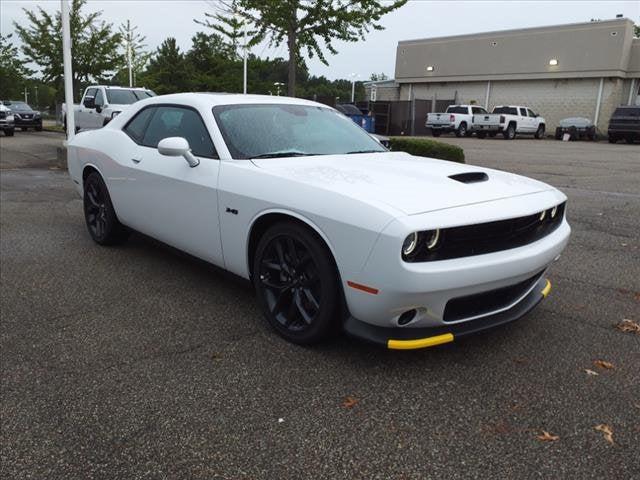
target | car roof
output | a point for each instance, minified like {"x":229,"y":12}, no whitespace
{"x":213,"y":98}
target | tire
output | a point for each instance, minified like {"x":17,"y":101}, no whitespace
{"x":99,"y":214}
{"x":9,"y":132}
{"x":558,"y":134}
{"x":510,"y":132}
{"x":573,"y":134}
{"x":461,"y":131}
{"x":591,"y":134}
{"x":296,"y":283}
{"x":435,"y":134}
{"x":540,"y":132}
{"x":482,"y":134}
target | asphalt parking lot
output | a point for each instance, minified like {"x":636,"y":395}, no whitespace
{"x":140,"y":362}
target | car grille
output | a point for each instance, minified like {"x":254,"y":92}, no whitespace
{"x":457,"y":242}
{"x":27,"y":116}
{"x":484,"y":303}
{"x":3,"y":114}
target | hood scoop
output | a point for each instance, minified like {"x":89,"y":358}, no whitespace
{"x":470,"y":177}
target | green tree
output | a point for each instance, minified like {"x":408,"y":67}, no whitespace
{"x":377,"y":77}
{"x":168,"y":70}
{"x":309,"y":25}
{"x":13,"y":73}
{"x":95,"y":54}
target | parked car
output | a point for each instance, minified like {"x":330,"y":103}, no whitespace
{"x":24,"y":116}
{"x":7,"y":124}
{"x":456,"y":119}
{"x":510,"y":120}
{"x":625,"y":123}
{"x":332,"y":229}
{"x":102,"y":103}
{"x":577,"y":128}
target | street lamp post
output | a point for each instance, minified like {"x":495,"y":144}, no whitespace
{"x":353,"y":87}
{"x":242,"y":20}
{"x":278,"y":85}
{"x":68,"y":79}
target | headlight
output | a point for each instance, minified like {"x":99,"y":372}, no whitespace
{"x":410,"y":244}
{"x":420,"y":242}
{"x":554,"y":210}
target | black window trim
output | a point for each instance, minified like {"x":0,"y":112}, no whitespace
{"x":174,"y":105}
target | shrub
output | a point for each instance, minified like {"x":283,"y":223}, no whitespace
{"x":424,"y":147}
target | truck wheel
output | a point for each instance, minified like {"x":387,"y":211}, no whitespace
{"x":434,"y":133}
{"x":510,"y":132}
{"x":540,"y":132}
{"x":462,"y":130}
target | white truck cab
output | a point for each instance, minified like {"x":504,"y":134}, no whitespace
{"x":100,"y":103}
{"x":509,"y":120}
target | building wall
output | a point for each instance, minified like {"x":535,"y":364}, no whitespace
{"x":553,"y":99}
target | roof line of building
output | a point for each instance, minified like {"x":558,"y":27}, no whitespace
{"x":613,"y":21}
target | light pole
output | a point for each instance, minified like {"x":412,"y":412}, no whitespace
{"x":353,"y":87}
{"x":243,"y":22}
{"x":278,"y":85}
{"x":26,"y":95}
{"x":66,"y":57}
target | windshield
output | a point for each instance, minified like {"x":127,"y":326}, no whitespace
{"x":123,"y":96}
{"x":19,"y":107}
{"x":280,"y":130}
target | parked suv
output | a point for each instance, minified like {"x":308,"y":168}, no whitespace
{"x":625,"y":123}
{"x":6,"y":121}
{"x":24,"y":116}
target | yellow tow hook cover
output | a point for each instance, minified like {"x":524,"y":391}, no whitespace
{"x":420,"y":342}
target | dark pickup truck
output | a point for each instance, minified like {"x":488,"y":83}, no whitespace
{"x":625,"y":123}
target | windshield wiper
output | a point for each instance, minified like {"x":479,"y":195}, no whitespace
{"x":365,"y":151}
{"x":290,"y":153}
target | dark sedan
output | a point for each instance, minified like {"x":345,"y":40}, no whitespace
{"x":25,"y":116}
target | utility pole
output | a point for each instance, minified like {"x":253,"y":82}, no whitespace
{"x":353,"y":87}
{"x":26,"y":95}
{"x":68,"y":79}
{"x":244,"y":27}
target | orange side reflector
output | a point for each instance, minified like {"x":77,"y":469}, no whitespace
{"x":364,"y":288}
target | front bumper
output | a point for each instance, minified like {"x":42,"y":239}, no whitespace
{"x":28,"y":122}
{"x":414,"y":338}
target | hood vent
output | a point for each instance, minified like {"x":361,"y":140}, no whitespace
{"x":470,"y":177}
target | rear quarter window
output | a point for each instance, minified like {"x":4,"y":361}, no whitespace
{"x":137,"y":125}
{"x":457,"y":110}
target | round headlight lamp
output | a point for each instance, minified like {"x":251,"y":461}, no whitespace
{"x":432,"y":238}
{"x":410,"y":244}
{"x":554,"y":211}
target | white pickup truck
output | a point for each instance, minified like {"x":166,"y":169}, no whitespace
{"x":509,"y":120}
{"x":457,"y":119}
{"x":100,"y":103}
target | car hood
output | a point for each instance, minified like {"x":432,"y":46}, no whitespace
{"x":409,"y":184}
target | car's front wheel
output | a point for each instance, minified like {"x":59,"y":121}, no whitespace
{"x":296,"y":283}
{"x":99,"y":214}
{"x":540,"y":132}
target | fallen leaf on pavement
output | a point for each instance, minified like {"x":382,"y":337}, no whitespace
{"x":607,"y":431}
{"x":349,"y":402}
{"x":547,"y":437}
{"x":591,"y":372}
{"x":603,"y":364}
{"x":627,"y":325}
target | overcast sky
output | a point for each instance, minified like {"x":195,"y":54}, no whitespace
{"x":376,"y":53}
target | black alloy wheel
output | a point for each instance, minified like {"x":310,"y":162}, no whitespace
{"x":296,"y":283}
{"x":101,"y":219}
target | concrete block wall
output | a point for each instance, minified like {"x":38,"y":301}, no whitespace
{"x":463,"y":92}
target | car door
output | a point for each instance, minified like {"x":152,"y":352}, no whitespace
{"x":83,"y":119}
{"x":533,"y":118}
{"x":524,"y":122}
{"x":165,"y":197}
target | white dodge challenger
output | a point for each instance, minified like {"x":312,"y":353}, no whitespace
{"x":333,"y":230}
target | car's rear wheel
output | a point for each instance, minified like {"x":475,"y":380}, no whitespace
{"x":540,"y":132}
{"x":296,"y":283}
{"x":462,"y":130}
{"x":99,"y":214}
{"x":510,"y":132}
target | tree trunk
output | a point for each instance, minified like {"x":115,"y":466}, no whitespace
{"x":291,"y":43}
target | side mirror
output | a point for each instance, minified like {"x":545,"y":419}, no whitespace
{"x":177,"y":147}
{"x":89,"y":102}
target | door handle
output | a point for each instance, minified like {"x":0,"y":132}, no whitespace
{"x":136,"y":159}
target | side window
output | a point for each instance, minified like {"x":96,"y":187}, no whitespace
{"x":99,"y":98}
{"x":523,"y":112}
{"x":90,"y":93}
{"x":136,"y":126}
{"x":530,"y":112}
{"x":180,"y":122}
